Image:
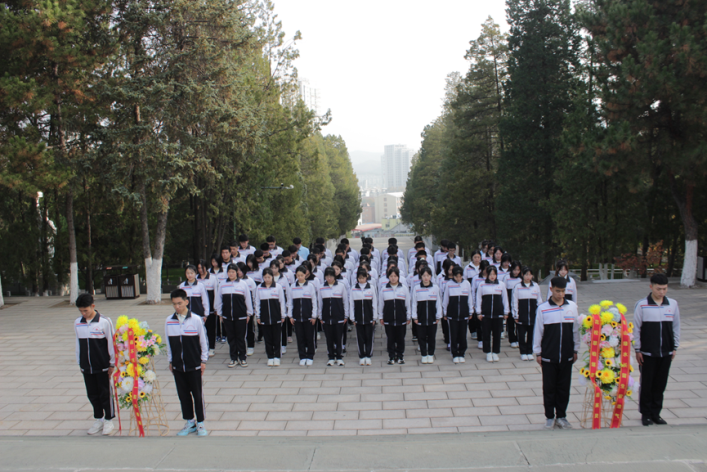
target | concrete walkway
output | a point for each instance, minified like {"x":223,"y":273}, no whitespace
{"x":42,"y":391}
{"x":655,"y":449}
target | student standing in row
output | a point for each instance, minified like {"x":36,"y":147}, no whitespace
{"x":426,"y":306}
{"x":252,"y":286}
{"x":363,"y":310}
{"x":95,"y":356}
{"x":657,"y":321}
{"x":210,"y":282}
{"x":526,"y":299}
{"x":394,"y":308}
{"x":470,"y":272}
{"x":270,"y":314}
{"x":511,"y":281}
{"x":475,"y":282}
{"x":555,"y":345}
{"x":457,"y":308}
{"x":196,"y":293}
{"x":334,"y":311}
{"x":302,"y":311}
{"x":235,"y":308}
{"x":562,"y":270}
{"x":187,"y":353}
{"x":221,"y":275}
{"x":492,"y":308}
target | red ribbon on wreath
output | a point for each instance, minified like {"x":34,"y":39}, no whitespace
{"x":593,"y":366}
{"x":132,"y":351}
{"x":116,"y":382}
{"x":623,"y":375}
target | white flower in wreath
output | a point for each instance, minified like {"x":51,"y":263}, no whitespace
{"x":613,"y":341}
{"x":147,"y":388}
{"x":150,"y":376}
{"x":126,"y":355}
{"x":127,"y":384}
{"x":156,"y":348}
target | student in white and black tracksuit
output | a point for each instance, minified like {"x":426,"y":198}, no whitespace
{"x":492,"y":307}
{"x":512,"y":279}
{"x":252,"y":285}
{"x":555,"y":345}
{"x":571,"y":290}
{"x":187,"y":353}
{"x":470,"y":271}
{"x":210,"y":282}
{"x":525,"y":301}
{"x":95,"y":356}
{"x":302,"y":311}
{"x":333,"y":312}
{"x":234,"y":306}
{"x":363,"y":309}
{"x":394,"y":309}
{"x":196,"y":291}
{"x":443,"y":278}
{"x":657,"y":338}
{"x":285,"y":283}
{"x":457,"y":308}
{"x":270,"y":311}
{"x":426,"y":306}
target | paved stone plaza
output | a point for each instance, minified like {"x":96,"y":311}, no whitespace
{"x":42,"y":391}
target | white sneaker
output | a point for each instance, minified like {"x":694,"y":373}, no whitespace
{"x":549,"y":424}
{"x":331,"y":362}
{"x":523,"y":357}
{"x":362,"y":361}
{"x":495,"y":357}
{"x":430,"y":359}
{"x":276,"y":362}
{"x":319,"y":336}
{"x":514,"y":345}
{"x":503,"y":335}
{"x":97,"y":427}
{"x":368,"y":361}
{"x":250,"y":351}
{"x":211,"y":353}
{"x":481,"y":345}
{"x":284,"y":350}
{"x":108,"y":427}
{"x":423,"y":360}
{"x":462,"y":360}
{"x":455,"y":360}
{"x":340,"y":362}
{"x":303,"y":362}
{"x":473,"y":335}
{"x":310,"y":362}
{"x":289,"y":339}
{"x":489,"y":357}
{"x":271,"y":362}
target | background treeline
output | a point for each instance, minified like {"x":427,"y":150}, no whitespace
{"x":141,"y":132}
{"x":579,"y":134}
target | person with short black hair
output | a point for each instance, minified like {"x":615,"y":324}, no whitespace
{"x":555,"y":345}
{"x":333,"y":305}
{"x":273,"y":248}
{"x":525,"y":301}
{"x":270,"y":312}
{"x":439,"y":255}
{"x":426,"y":306}
{"x":363,"y":310}
{"x":95,"y":356}
{"x":187,"y":353}
{"x":395,"y":315}
{"x":657,"y":337}
{"x":492,"y":308}
{"x":457,"y":307}
{"x":225,"y":257}
{"x":236,"y":255}
{"x":245,"y":248}
{"x":562,"y":270}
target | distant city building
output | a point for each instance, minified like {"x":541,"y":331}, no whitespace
{"x":368,"y":213}
{"x":395,"y":166}
{"x":310,"y":96}
{"x":387,"y":205}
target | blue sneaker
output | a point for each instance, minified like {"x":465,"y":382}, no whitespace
{"x":190,"y":427}
{"x":201,"y":429}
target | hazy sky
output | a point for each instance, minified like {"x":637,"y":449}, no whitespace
{"x":380,"y":66}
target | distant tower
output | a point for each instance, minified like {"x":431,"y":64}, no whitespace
{"x":309,"y":95}
{"x":395,"y":165}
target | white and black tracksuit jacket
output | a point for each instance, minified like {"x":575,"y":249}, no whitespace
{"x":657,"y":327}
{"x":363,"y":303}
{"x":526,"y":300}
{"x":556,"y":334}
{"x":302,"y":303}
{"x":94,"y":344}
{"x":187,"y":347}
{"x":570,"y":292}
{"x":270,"y":305}
{"x":426,"y":304}
{"x":233,"y":300}
{"x":198,"y":297}
{"x":492,"y":299}
{"x":333,"y":303}
{"x":394,"y":305}
{"x":457,"y":304}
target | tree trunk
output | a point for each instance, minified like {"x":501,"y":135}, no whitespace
{"x":73,"y":261}
{"x":89,"y":270}
{"x":689,"y":266}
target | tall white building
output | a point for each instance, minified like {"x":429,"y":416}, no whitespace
{"x":395,"y":165}
{"x":309,"y":95}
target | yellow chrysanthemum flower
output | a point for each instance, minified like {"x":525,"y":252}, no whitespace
{"x":125,"y":337}
{"x":607,"y":376}
{"x":606,"y":317}
{"x":158,"y":339}
{"x":144,"y":360}
{"x":607,"y":397}
{"x":122,"y":320}
{"x":594,"y":309}
{"x":608,"y":353}
{"x":622,"y":308}
{"x":606,"y":304}
{"x":133,"y":324}
{"x":588,"y":321}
